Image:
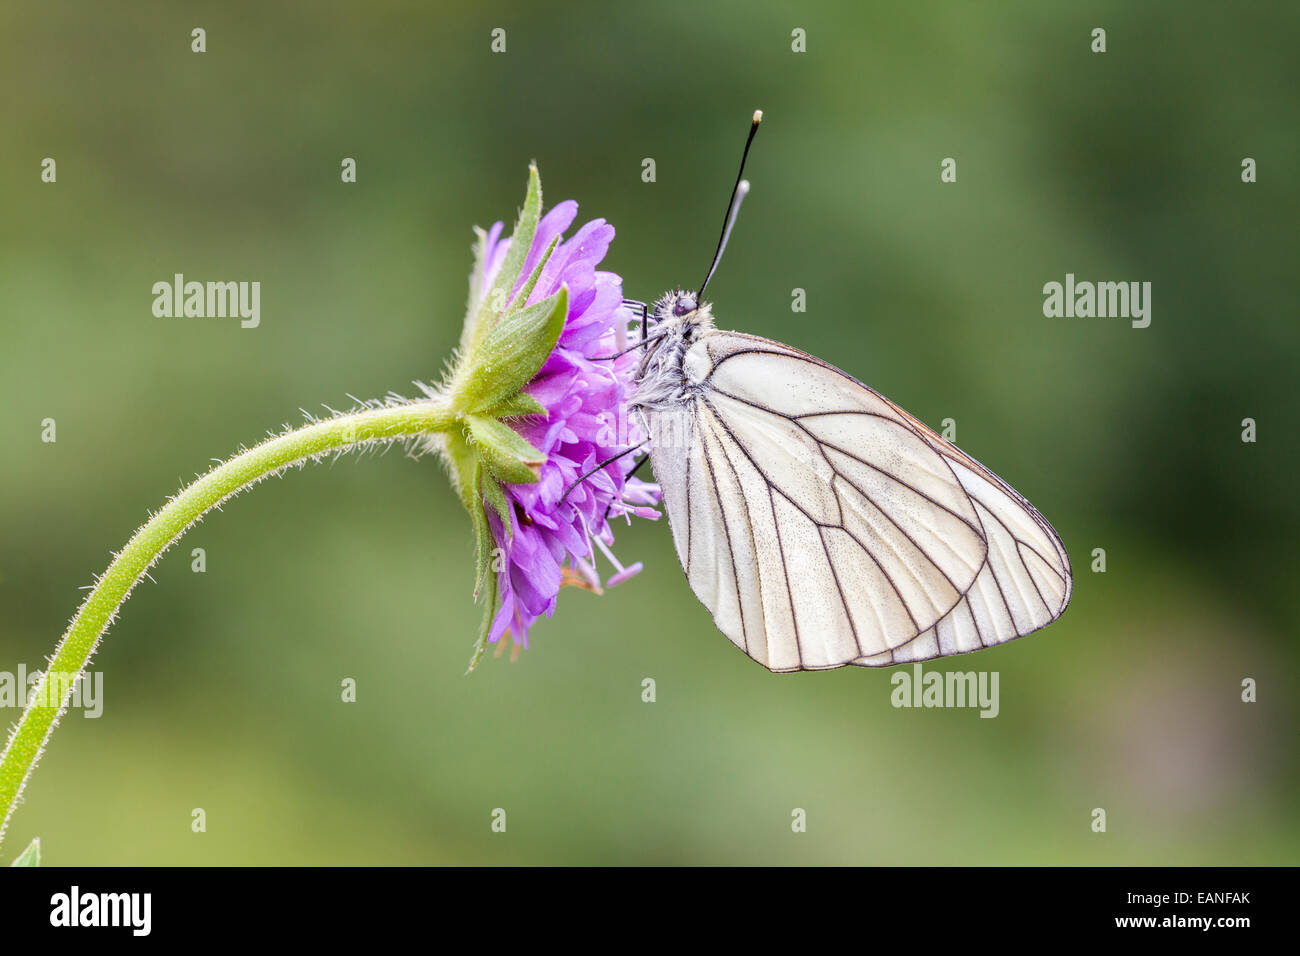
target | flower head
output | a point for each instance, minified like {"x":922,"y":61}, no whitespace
{"x":571,"y":413}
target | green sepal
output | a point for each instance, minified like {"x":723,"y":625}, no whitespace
{"x":485,"y":628}
{"x":519,"y":405}
{"x":30,"y":856}
{"x":510,"y":355}
{"x":503,"y":451}
{"x":464,"y":468}
{"x":482,"y":537}
{"x":521,"y":240}
{"x":485,"y":575}
{"x":496,"y":499}
{"x":527,"y":289}
{"x":475,"y":302}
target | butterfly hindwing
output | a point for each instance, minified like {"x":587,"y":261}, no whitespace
{"x":822,"y":525}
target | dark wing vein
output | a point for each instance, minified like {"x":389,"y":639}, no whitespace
{"x":839,"y":589}
{"x":726,"y":530}
{"x":957,"y":589}
{"x":824,"y":443}
{"x":817,"y":524}
{"x":753,"y":544}
{"x":785,"y":571}
{"x":948,"y":454}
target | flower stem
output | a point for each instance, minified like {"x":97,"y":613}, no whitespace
{"x":50,"y":696}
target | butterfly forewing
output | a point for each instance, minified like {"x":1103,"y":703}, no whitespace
{"x":822,"y":525}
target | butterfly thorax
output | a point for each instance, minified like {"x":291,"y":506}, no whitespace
{"x":677,"y":321}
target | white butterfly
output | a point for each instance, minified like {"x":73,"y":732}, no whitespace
{"x":820,"y":523}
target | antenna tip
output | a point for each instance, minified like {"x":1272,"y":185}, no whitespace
{"x":758,"y":117}
{"x":742,"y":188}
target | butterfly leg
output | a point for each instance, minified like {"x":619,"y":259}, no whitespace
{"x":634,"y":469}
{"x":604,"y":464}
{"x":636,"y":305}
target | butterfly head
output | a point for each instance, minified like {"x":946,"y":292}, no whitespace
{"x":680,"y":307}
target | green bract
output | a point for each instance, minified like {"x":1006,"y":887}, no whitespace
{"x":504,"y":344}
{"x":508,"y":356}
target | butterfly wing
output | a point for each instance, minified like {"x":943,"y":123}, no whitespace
{"x":822,"y":525}
{"x":1024,"y":585}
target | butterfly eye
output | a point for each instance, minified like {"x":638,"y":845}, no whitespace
{"x":684,"y":305}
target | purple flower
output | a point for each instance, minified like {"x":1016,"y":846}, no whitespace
{"x":551,"y":542}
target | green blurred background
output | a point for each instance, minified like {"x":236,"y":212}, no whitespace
{"x":222,"y":689}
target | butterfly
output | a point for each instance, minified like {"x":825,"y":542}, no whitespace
{"x":819,"y":522}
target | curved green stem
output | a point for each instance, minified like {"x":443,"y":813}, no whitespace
{"x":50,"y":696}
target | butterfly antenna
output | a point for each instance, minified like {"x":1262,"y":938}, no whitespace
{"x":733,"y":205}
